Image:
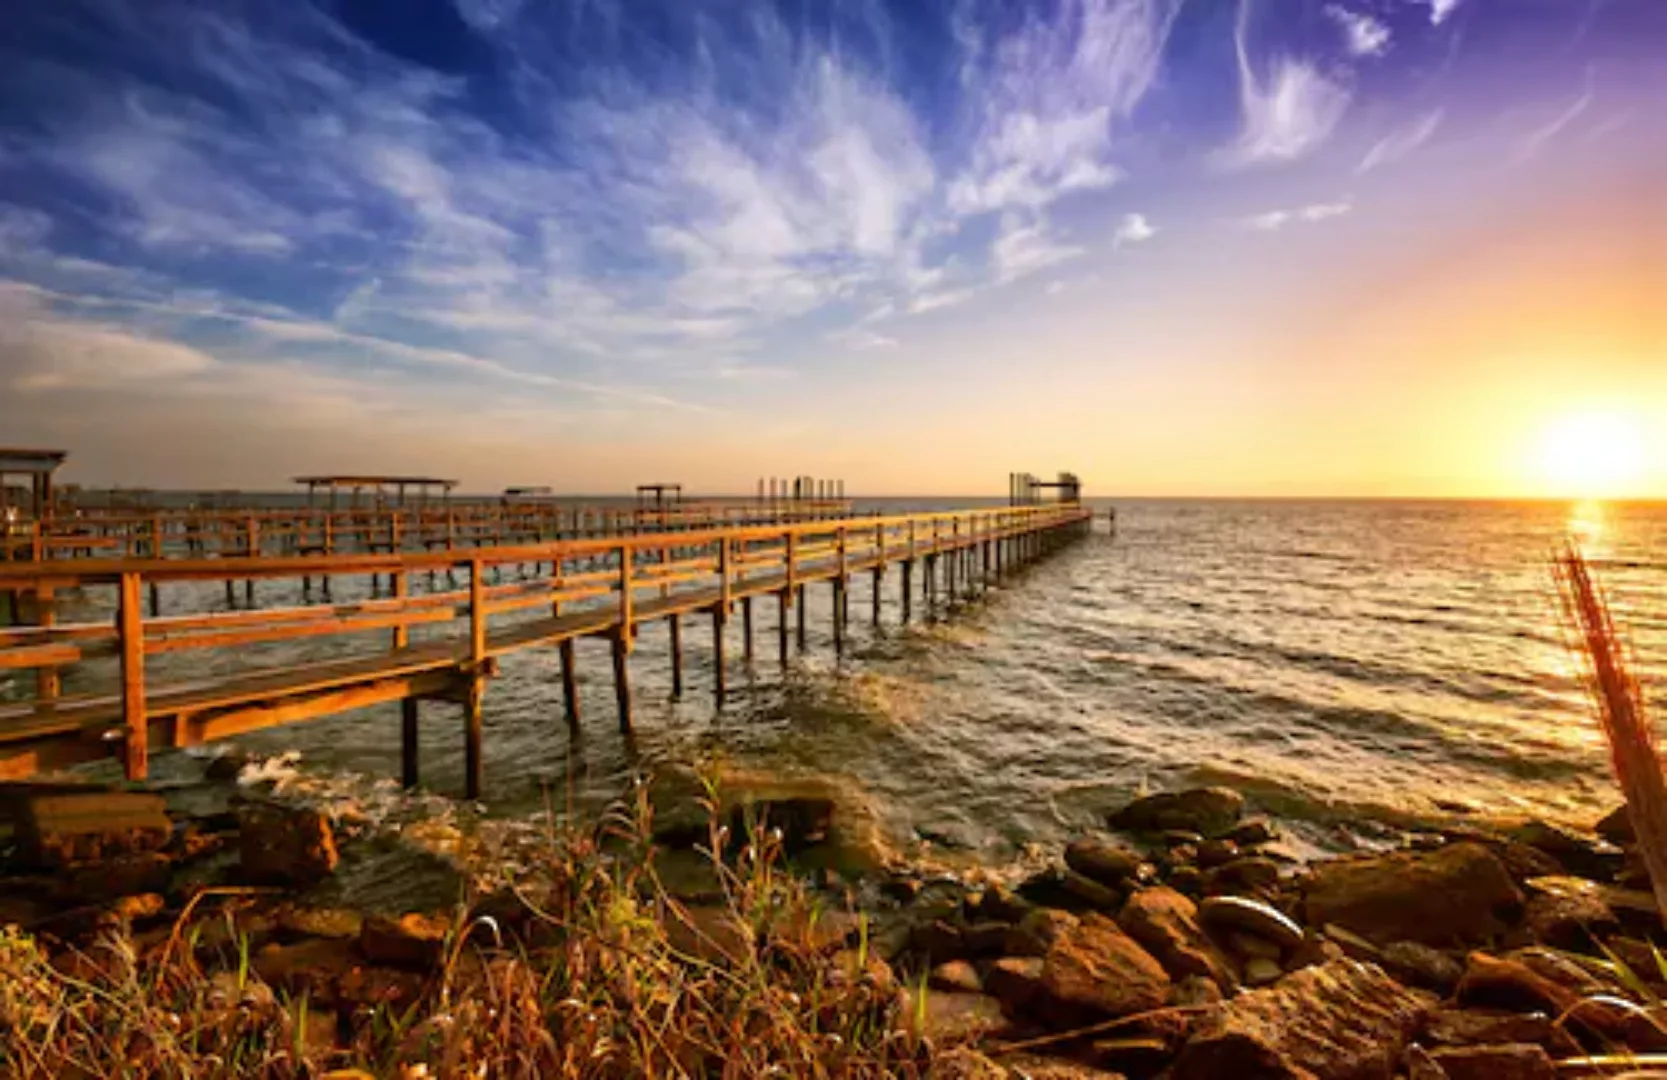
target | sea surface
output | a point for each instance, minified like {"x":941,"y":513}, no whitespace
{"x":1355,"y":668}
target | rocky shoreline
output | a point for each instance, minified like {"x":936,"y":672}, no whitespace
{"x":1183,"y":940}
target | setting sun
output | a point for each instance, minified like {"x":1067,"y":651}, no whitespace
{"x":1593,"y":454}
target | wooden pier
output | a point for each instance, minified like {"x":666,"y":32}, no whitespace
{"x":415,"y":646}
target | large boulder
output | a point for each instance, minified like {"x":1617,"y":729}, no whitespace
{"x":1093,"y":971}
{"x":1165,"y":924}
{"x":1210,"y":812}
{"x":1508,"y":1061}
{"x":285,"y":845}
{"x":1453,"y":894}
{"x":1341,"y":1020}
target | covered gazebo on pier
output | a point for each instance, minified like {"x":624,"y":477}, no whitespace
{"x":423,"y":487}
{"x":37,"y":467}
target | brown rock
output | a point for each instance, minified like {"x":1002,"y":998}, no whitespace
{"x":955,"y":975}
{"x":1455,"y":893}
{"x":858,"y":967}
{"x":1196,"y":990}
{"x":1252,"y":831}
{"x":1094,"y":971}
{"x":304,"y":922}
{"x":1224,"y":914}
{"x":1510,"y":984}
{"x":1420,"y":965}
{"x":375,"y":987}
{"x":1260,"y":971}
{"x":314,"y":968}
{"x":938,"y":941}
{"x":116,"y":875}
{"x":414,"y":941}
{"x":1015,"y":981}
{"x":56,"y":830}
{"x":1421,"y":1066}
{"x":1569,"y":920}
{"x":998,"y":903}
{"x":1103,"y":861}
{"x":1037,"y":931}
{"x":1209,"y":812}
{"x":1470,"y":1027}
{"x":1581,"y":853}
{"x":1036,"y":1067}
{"x":1213,"y":853}
{"x":985,"y":939}
{"x":285,"y":845}
{"x":1510,"y":1061}
{"x":1337,"y":1021}
{"x":948,"y":1017}
{"x":1091,"y":894}
{"x":1250,"y":874}
{"x":711,"y":934}
{"x":1165,"y":924}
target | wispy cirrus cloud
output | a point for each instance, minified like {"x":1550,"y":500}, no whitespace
{"x":1398,"y":144}
{"x":1531,"y":142}
{"x":1287,"y":111}
{"x":1270,"y":220}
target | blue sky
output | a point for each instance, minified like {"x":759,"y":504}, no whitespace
{"x":915,"y":245}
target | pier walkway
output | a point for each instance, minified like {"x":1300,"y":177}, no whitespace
{"x":446,"y":645}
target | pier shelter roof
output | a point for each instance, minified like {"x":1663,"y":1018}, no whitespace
{"x":38,"y":466}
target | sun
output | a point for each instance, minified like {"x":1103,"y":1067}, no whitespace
{"x":1595,"y":454}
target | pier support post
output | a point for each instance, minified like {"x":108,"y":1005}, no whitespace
{"x":879,"y":580}
{"x":906,"y":593}
{"x":801,"y":627}
{"x":746,"y":631}
{"x":569,"y":685}
{"x":783,"y":602}
{"x":838,"y":603}
{"x":473,"y":700}
{"x":676,"y":622}
{"x":720,"y":685}
{"x":408,"y":769}
{"x":622,"y":681}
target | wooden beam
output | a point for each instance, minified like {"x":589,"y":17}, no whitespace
{"x":130,"y":632}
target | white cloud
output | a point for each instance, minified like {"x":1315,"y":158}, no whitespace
{"x":1049,"y":96}
{"x":1363,"y":34}
{"x":1288,"y":113}
{"x":1398,"y":144}
{"x":1133,"y":229}
{"x":860,"y":338}
{"x":1310,"y":214}
{"x":1439,"y":9}
{"x":1024,"y":248}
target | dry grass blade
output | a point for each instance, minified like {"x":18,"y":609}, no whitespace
{"x":1620,"y":706}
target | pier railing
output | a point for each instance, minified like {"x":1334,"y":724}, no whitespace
{"x":438,"y":622}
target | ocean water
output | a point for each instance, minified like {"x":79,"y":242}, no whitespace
{"x":1355,"y":667}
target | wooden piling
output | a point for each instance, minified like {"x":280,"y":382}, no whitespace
{"x":783,"y":602}
{"x":408,"y":770}
{"x":746,"y":631}
{"x":801,"y":626}
{"x":676,"y":624}
{"x":475,"y":698}
{"x":720,"y":686}
{"x":136,"y":727}
{"x":569,"y":685}
{"x":622,"y":681}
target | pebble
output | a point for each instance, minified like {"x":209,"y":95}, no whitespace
{"x":1253,"y":916}
{"x":1260,"y":971}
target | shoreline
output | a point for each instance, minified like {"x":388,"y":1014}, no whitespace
{"x":1181,"y":939}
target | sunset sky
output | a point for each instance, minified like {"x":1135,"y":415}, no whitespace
{"x":1278,"y":247}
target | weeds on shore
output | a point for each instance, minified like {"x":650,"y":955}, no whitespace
{"x":591,"y":970}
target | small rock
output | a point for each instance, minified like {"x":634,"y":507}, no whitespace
{"x":1207,"y":811}
{"x":285,"y":845}
{"x":1250,"y":874}
{"x":1469,"y":1027}
{"x":413,"y":941}
{"x":1094,"y":971}
{"x":115,"y":876}
{"x":939,"y":941}
{"x":955,"y":975}
{"x":1420,"y":965}
{"x":314,"y":967}
{"x":709,"y":933}
{"x":1252,"y":831}
{"x":1037,"y":931}
{"x":1015,"y":981}
{"x":903,"y":889}
{"x":1103,"y":861}
{"x":1260,"y":971}
{"x":1213,"y":853}
{"x":804,"y":821}
{"x":1165,"y":923}
{"x":1090,"y":893}
{"x":1582,"y":854}
{"x":1000,"y":904}
{"x":1353,"y":945}
{"x":138,"y":907}
{"x":1337,"y":1021}
{"x":54,"y":831}
{"x":948,"y":1017}
{"x":1174,"y":838}
{"x":1510,"y":984}
{"x":1569,"y":920}
{"x":1249,"y":946}
{"x":1196,"y":990}
{"x":1228,"y":913}
{"x":1186,"y":879}
{"x":985,"y":939}
{"x":226,"y":766}
{"x":1456,"y":893}
{"x":319,"y":922}
{"x":1511,"y":1061}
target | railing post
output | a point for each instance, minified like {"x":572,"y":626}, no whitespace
{"x":130,"y":635}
